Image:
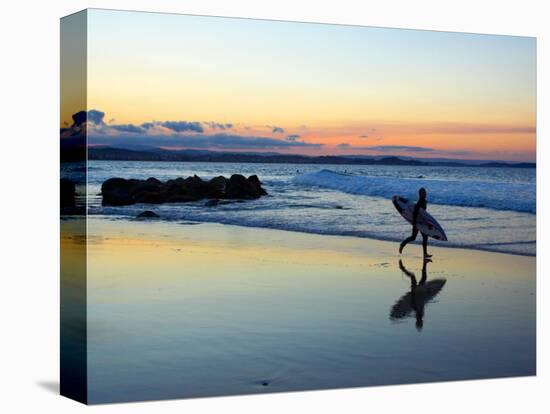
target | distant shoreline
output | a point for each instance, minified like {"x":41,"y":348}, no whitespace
{"x":158,"y":154}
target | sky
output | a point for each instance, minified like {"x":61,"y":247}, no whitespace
{"x":178,"y":81}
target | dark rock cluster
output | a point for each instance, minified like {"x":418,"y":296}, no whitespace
{"x":121,"y":192}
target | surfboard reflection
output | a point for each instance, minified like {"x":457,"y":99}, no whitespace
{"x":412,"y":304}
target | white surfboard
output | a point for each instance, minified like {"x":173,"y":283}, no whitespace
{"x":425,"y":223}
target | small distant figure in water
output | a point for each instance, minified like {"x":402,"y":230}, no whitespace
{"x":422,"y":203}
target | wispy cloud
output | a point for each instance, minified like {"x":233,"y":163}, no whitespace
{"x":384,"y":148}
{"x":390,"y":148}
{"x":175,"y":133}
{"x":217,"y":125}
{"x":455,"y":128}
{"x":371,"y":137}
{"x":217,"y":141}
{"x":128,"y":128}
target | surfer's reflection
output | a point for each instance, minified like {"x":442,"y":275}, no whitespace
{"x":421,"y":293}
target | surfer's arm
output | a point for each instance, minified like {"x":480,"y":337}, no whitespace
{"x":415,"y":214}
{"x":420,"y":205}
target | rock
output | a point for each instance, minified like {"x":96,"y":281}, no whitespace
{"x":120,"y":192}
{"x":67,"y":193}
{"x":151,"y":185}
{"x":116,"y":192}
{"x":217,"y":187}
{"x":255,"y":181}
{"x":153,"y":181}
{"x":150,"y":197}
{"x":148,"y":214}
{"x":241,"y":187}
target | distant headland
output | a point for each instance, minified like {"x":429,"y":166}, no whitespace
{"x":159,"y":154}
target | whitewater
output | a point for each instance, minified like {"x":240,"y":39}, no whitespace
{"x":480,"y":208}
{"x":468,"y":193}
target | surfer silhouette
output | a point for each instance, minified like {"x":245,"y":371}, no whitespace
{"x":422,"y":203}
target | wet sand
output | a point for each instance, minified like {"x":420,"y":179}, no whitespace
{"x":189,"y":310}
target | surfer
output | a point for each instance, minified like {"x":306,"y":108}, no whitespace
{"x":422,"y":203}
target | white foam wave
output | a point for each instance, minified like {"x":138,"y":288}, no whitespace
{"x":494,"y":195}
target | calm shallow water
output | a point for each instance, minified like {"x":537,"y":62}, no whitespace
{"x":200,"y":310}
{"x":480,"y":208}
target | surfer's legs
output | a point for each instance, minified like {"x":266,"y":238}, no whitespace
{"x":409,"y":239}
{"x":425,"y":245}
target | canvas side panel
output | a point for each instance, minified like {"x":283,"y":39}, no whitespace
{"x":73,"y":179}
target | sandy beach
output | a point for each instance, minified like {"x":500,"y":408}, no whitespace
{"x":191,"y":310}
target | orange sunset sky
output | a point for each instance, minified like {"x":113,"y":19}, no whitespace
{"x":177,"y":81}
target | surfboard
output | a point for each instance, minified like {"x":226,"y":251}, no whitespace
{"x":425,"y":223}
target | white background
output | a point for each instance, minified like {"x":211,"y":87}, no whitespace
{"x":29,"y":251}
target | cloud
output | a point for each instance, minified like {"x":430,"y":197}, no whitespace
{"x":176,"y":126}
{"x":371,"y":135}
{"x":173,"y":133}
{"x":459,"y":152}
{"x":93,"y":122}
{"x":181,"y":126}
{"x":459,"y":128}
{"x":383,"y":148}
{"x":82,"y":121}
{"x":128,"y":128}
{"x":94,"y":116}
{"x":217,"y":125}
{"x":217,"y":141}
{"x":387,"y":148}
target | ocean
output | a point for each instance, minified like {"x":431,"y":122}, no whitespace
{"x":480,"y":208}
